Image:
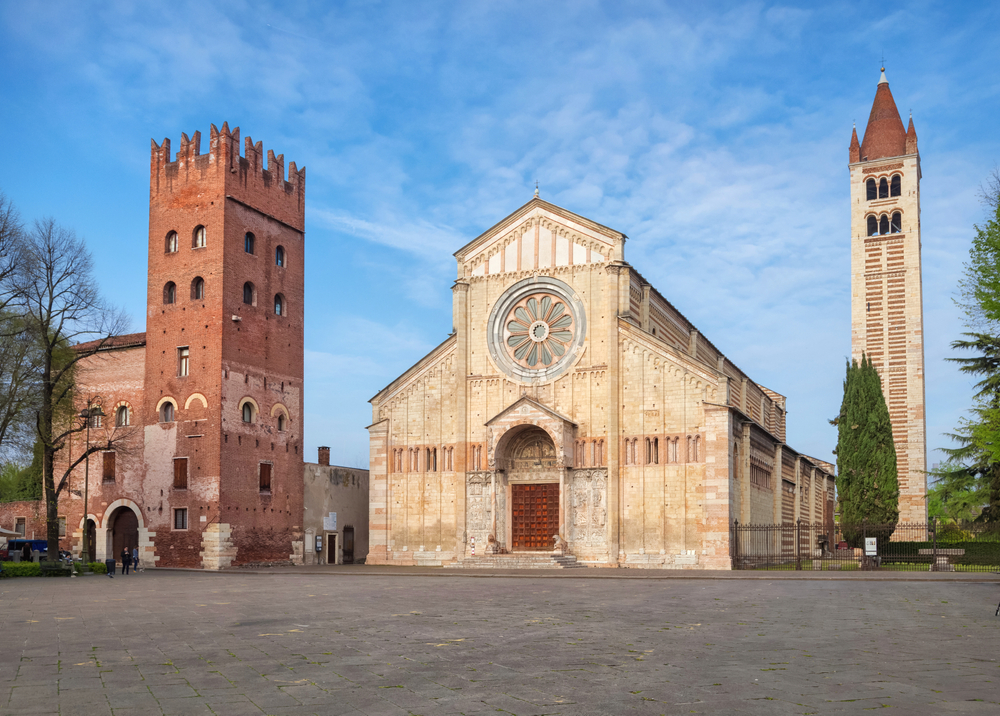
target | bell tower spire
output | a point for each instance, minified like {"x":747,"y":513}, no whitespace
{"x":886,"y":293}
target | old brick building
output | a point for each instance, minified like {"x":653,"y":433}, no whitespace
{"x":573,"y":399}
{"x":887,"y":312}
{"x":209,"y":398}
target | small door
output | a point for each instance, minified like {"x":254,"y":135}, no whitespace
{"x":348,"y":545}
{"x":331,"y":549}
{"x":89,"y":550}
{"x":534,"y":516}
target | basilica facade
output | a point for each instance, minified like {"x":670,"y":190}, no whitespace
{"x":573,"y":409}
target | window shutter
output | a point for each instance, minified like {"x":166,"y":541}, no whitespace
{"x":109,"y":467}
{"x":180,"y":473}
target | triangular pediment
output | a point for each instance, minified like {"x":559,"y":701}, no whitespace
{"x":529,"y":409}
{"x":540,"y":236}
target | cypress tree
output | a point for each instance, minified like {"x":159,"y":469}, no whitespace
{"x":867,"y":483}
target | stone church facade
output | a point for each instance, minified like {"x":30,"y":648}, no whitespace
{"x":574,"y":409}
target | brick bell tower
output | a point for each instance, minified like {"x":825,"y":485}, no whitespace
{"x":887,"y":316}
{"x":224,"y":353}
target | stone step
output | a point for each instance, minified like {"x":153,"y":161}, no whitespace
{"x":517,"y":561}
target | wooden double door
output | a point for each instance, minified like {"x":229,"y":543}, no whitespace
{"x":534,"y":516}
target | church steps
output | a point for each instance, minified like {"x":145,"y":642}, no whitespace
{"x":517,"y":561}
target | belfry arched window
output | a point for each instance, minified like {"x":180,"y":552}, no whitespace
{"x":883,"y":225}
{"x":896,"y":223}
{"x":279,"y":305}
{"x":122,"y":417}
{"x":872,"y":226}
{"x":248,"y":243}
{"x":883,"y":188}
{"x":171,"y":243}
{"x":170,"y":292}
{"x":871,"y":189}
{"x":248,"y":293}
{"x":198,"y":237}
{"x":896,"y":185}
{"x":279,"y":256}
{"x":167,"y":412}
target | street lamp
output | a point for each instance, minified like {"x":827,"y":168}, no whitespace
{"x":89,"y":413}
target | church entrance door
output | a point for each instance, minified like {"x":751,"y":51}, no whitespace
{"x":534,"y":516}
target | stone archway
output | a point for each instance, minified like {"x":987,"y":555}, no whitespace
{"x":122,"y":531}
{"x":105,"y":533}
{"x":527,"y":457}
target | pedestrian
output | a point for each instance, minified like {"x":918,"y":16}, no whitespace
{"x":126,"y":560}
{"x":26,"y":552}
{"x":135,"y":559}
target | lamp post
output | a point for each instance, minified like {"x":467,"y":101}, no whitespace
{"x":89,"y":413}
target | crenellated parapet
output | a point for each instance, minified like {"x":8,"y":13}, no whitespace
{"x":223,"y":170}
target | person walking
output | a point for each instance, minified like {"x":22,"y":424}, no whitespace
{"x":126,"y":560}
{"x":135,"y":560}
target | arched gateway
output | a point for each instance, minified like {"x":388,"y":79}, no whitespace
{"x":532,"y":476}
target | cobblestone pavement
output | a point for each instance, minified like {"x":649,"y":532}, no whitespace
{"x":340,"y":643}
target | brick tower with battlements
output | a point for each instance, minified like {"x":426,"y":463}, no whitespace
{"x":886,"y":292}
{"x":222,"y":400}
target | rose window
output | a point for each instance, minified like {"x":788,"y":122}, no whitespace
{"x":539,"y":330}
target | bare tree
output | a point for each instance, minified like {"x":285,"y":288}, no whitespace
{"x":18,"y":356}
{"x":68,"y":322}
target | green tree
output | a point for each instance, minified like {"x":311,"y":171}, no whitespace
{"x":968,"y":483}
{"x":866,"y":456}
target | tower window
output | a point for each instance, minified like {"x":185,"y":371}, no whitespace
{"x":171,"y":245}
{"x":198,"y":289}
{"x":122,"y":417}
{"x":180,"y":518}
{"x":265,"y":477}
{"x":198,"y":238}
{"x":883,"y":188}
{"x":108,"y":466}
{"x":248,"y":243}
{"x":248,"y":412}
{"x":167,"y":412}
{"x":872,"y":189}
{"x":248,"y":293}
{"x":180,"y":473}
{"x":897,"y":223}
{"x":170,"y":292}
{"x":872,"y":226}
{"x":183,"y":360}
{"x":279,"y":305}
{"x":895,"y":187}
{"x":281,"y":422}
{"x":883,"y":225}
{"x":279,"y":256}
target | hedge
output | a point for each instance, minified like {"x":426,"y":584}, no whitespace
{"x":975,"y":552}
{"x":98,"y":568}
{"x":21,"y":569}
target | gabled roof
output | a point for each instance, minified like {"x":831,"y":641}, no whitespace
{"x":525,"y":400}
{"x":536,"y":203}
{"x":128,"y":340}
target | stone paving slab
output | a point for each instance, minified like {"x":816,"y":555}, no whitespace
{"x":299,"y":642}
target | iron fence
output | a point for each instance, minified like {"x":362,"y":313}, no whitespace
{"x":933,"y":546}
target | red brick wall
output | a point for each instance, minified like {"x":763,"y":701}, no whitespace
{"x":33,"y":514}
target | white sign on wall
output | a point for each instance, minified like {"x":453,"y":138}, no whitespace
{"x":330,"y":522}
{"x":871,"y":547}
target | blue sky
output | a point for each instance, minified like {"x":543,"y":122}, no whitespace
{"x":714,"y":135}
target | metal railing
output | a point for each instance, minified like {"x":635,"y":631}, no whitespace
{"x":933,"y":546}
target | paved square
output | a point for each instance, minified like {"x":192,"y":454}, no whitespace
{"x":355,"y":643}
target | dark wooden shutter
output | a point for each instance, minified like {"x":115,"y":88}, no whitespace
{"x":265,"y":477}
{"x":109,"y":466}
{"x":180,"y":473}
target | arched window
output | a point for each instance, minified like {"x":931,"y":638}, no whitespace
{"x":198,"y":238}
{"x":871,"y":188}
{"x":281,"y":422}
{"x":248,"y":412}
{"x":279,"y":305}
{"x":883,"y":188}
{"x":897,"y":223}
{"x":167,"y":412}
{"x":121,"y":417}
{"x":248,"y":293}
{"x":248,"y":243}
{"x":170,"y":292}
{"x":198,"y":288}
{"x":171,"y":244}
{"x":896,"y":186}
{"x":279,"y":256}
{"x":883,"y":225}
{"x":872,"y":226}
